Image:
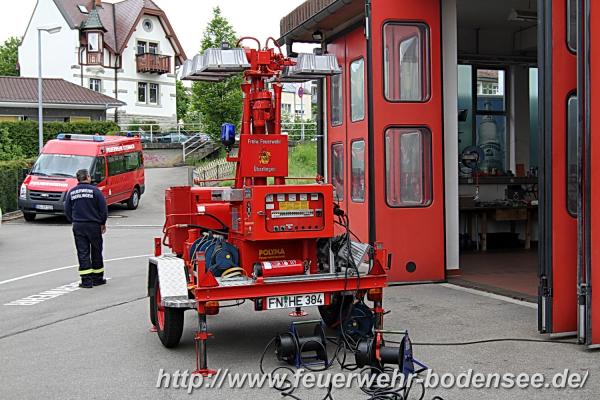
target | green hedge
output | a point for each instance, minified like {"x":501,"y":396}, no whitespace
{"x":25,"y":133}
{"x":12,"y":174}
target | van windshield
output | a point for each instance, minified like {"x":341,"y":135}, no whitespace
{"x":65,"y":165}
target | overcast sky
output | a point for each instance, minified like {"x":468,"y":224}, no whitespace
{"x":258,"y":18}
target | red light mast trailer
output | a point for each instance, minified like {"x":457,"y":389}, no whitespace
{"x":255,"y":240}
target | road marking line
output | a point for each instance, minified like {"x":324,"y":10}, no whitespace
{"x":46,"y":295}
{"x":490,"y":295}
{"x":18,"y":278}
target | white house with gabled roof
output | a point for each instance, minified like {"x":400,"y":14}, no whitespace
{"x":127,"y":50}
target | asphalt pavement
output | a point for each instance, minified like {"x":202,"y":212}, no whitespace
{"x":70,"y":343}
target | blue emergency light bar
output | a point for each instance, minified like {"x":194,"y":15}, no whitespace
{"x":88,"y":138}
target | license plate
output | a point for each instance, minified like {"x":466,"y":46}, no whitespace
{"x":44,"y":207}
{"x":297,"y":300}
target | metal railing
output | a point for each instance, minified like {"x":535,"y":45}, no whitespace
{"x":191,"y":138}
{"x":161,"y":133}
{"x":197,"y":142}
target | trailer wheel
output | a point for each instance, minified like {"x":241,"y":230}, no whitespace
{"x":29,"y":217}
{"x":169,"y":321}
{"x":331,"y":313}
{"x":134,"y":200}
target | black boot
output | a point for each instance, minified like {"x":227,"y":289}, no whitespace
{"x":98,"y":280}
{"x":86,"y":283}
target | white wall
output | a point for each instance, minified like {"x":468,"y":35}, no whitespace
{"x":450,"y":79}
{"x":129,"y":77}
{"x":59,"y":50}
{"x":294,"y":101}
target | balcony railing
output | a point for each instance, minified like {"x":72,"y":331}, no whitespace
{"x":153,"y":63}
{"x":94,"y":58}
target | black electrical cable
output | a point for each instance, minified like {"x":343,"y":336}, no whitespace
{"x":224,"y":232}
{"x":288,"y":388}
{"x":236,"y":304}
{"x":214,"y":217}
{"x":483,"y":341}
{"x":352,"y":233}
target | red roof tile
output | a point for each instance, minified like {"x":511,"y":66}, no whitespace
{"x":122,"y":15}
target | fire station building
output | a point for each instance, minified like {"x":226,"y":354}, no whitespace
{"x":459,"y":135}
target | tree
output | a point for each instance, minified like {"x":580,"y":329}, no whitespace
{"x":9,"y":57}
{"x":218,"y":102}
{"x":182,"y":100}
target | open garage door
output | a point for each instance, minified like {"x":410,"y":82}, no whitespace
{"x":406,"y":170}
{"x":589,"y":277}
{"x":557,"y":54}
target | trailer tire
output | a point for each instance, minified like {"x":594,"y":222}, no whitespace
{"x":331,"y":313}
{"x":169,"y":321}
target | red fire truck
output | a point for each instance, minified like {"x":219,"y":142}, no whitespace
{"x":116,"y":165}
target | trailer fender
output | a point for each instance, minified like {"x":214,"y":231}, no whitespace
{"x":170,"y":272}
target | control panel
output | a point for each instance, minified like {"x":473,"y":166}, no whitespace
{"x":294,"y":212}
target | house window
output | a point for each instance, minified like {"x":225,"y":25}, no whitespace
{"x":141,"y":47}
{"x":95,"y":85}
{"x":153,"y":98}
{"x":94,"y":42}
{"x":153,"y":48}
{"x":79,"y":119}
{"x":148,"y":93}
{"x":147,"y":24}
{"x":10,"y":118}
{"x":144,"y":47}
{"x":286,"y":108}
{"x":142,"y":88}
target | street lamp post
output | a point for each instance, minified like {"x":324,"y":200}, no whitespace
{"x":50,"y":30}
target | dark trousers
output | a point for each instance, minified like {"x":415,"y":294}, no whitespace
{"x":88,"y":241}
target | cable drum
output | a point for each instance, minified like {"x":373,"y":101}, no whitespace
{"x":220,"y":255}
{"x":294,"y":348}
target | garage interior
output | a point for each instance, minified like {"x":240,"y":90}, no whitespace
{"x":498,"y":146}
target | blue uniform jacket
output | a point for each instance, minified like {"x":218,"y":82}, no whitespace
{"x":86,"y":203}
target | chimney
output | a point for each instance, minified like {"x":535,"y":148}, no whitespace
{"x":98,"y":3}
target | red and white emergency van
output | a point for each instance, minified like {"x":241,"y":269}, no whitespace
{"x":116,"y":165}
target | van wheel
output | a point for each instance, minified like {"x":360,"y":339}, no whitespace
{"x":29,"y":217}
{"x":134,"y":200}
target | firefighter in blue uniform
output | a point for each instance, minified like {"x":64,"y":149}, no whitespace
{"x":86,"y":208}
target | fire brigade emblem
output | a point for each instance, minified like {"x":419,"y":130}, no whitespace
{"x":264,"y":157}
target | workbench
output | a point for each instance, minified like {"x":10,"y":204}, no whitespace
{"x":501,"y":213}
